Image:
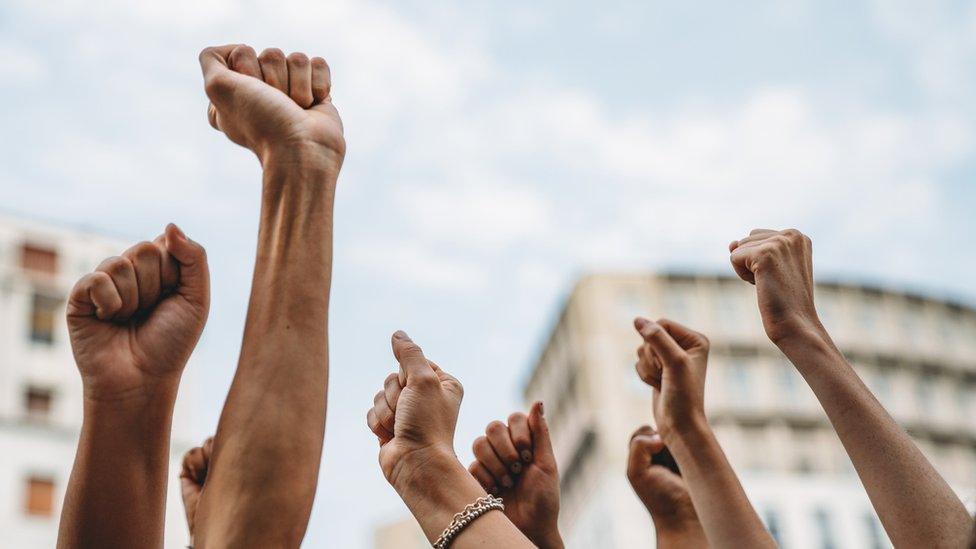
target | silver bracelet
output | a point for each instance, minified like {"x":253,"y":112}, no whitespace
{"x":468,"y":515}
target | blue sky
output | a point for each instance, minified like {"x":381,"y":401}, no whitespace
{"x":496,"y":151}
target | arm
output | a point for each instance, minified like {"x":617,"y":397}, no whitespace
{"x":916,"y":506}
{"x":193,"y":475}
{"x":664,"y":494}
{"x":275,"y":410}
{"x":516,"y":462}
{"x":414,"y":418}
{"x":133,"y":324}
{"x":673,"y":360}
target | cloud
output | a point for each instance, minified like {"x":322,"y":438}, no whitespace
{"x":20,"y":65}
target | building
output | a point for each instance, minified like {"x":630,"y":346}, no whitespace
{"x":40,"y":389}
{"x":917,"y":354}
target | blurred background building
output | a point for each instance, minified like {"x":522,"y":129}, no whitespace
{"x":917,"y":354}
{"x":40,"y":389}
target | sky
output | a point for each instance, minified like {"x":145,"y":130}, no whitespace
{"x":496,"y":152}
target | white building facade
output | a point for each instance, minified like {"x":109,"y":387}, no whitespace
{"x":40,"y":388}
{"x":917,"y":354}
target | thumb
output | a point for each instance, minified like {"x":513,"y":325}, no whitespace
{"x":217,"y":76}
{"x":541,"y":443}
{"x":644,"y":443}
{"x":194,"y":282}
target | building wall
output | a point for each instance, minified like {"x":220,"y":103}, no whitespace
{"x":917,"y":354}
{"x":41,"y":444}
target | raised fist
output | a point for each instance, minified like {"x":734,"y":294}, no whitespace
{"x":780,"y":264}
{"x":662,"y":491}
{"x":193,"y":475}
{"x":272,"y":101}
{"x":516,"y":462}
{"x":673,"y":359}
{"x":135,"y":320}
{"x":416,"y":412}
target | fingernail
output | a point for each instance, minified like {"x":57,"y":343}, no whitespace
{"x":507,"y":481}
{"x":178,"y":231}
{"x":526,"y":456}
{"x":516,"y":467}
{"x":400,"y":334}
{"x":542,"y":409}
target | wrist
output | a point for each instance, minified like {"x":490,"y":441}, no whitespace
{"x":153,"y":393}
{"x":548,"y":540}
{"x":680,"y":536}
{"x":416,"y":469}
{"x":693,"y":426}
{"x":304,"y":155}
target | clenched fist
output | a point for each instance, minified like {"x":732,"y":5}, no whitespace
{"x":516,"y":462}
{"x":272,"y":102}
{"x":663,"y":492}
{"x":416,"y":412}
{"x":193,"y":475}
{"x":672,"y":360}
{"x":780,"y":264}
{"x":135,"y":320}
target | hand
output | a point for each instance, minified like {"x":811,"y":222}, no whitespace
{"x":134,"y":321}
{"x":268,"y":101}
{"x":516,"y":463}
{"x":415,"y":415}
{"x":673,"y":360}
{"x":196,"y":463}
{"x":663,"y":493}
{"x":780,"y":264}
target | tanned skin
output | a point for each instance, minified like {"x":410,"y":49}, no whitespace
{"x":281,"y":109}
{"x":515,"y":461}
{"x":664,"y":494}
{"x":133,"y":323}
{"x":414,"y":418}
{"x":673,"y":360}
{"x":915,"y":504}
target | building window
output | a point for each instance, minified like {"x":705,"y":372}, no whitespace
{"x":39,"y":499}
{"x":924,"y":393}
{"x":39,"y":259}
{"x":825,"y":530}
{"x":37,"y":403}
{"x":741,"y":381}
{"x":44,"y":309}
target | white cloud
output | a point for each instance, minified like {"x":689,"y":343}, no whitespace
{"x":476,"y":212}
{"x":21,"y":65}
{"x":412,"y":262}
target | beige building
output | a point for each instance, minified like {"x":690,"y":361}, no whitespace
{"x":916,"y":353}
{"x":40,"y":389}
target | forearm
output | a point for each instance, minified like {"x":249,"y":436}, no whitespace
{"x":726,"y":515}
{"x":915,"y":504}
{"x":116,"y":495}
{"x":686,"y":539}
{"x":688,"y":535}
{"x":275,"y":410}
{"x":441,"y":487}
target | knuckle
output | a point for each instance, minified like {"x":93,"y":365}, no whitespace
{"x":298,"y":59}
{"x":145,"y":250}
{"x":319,"y":63}
{"x":479,"y":445}
{"x":218,"y":84}
{"x":378,"y":397}
{"x":495,"y":427}
{"x":273,"y":55}
{"x":517,"y":417}
{"x":242,"y":52}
